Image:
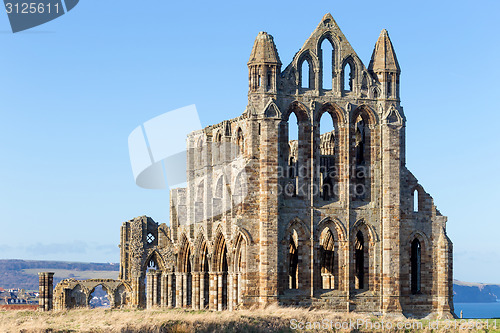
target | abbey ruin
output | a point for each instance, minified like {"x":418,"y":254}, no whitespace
{"x":329,"y":219}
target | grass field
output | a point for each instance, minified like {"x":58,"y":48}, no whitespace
{"x":79,"y":275}
{"x":271,"y":319}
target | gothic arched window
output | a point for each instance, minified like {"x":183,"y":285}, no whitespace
{"x":389,"y":85}
{"x":416,"y":253}
{"x":348,"y":77}
{"x":327,"y":58}
{"x":293,"y":262}
{"x":359,"y":258}
{"x":293,"y":151}
{"x":240,"y":141}
{"x":415,"y":201}
{"x":305,"y":74}
{"x":328,"y":167}
{"x":361,"y":156}
{"x":327,"y":259}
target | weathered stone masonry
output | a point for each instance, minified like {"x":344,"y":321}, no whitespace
{"x":45,"y":290}
{"x":332,"y":220}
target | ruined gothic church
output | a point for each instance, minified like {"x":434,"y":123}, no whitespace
{"x":329,"y":219}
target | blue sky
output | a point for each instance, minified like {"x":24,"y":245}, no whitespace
{"x":73,"y":89}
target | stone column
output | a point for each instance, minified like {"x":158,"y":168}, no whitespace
{"x":268,"y":210}
{"x":391,"y":155}
{"x":235,"y":291}
{"x":212,"y":303}
{"x":178,"y":290}
{"x":230,"y":285}
{"x":344,"y":267}
{"x":196,"y":291}
{"x":149,"y":291}
{"x":238,"y":285}
{"x":184,"y":290}
{"x":164,"y":289}
{"x":45,"y":289}
{"x":202,"y":290}
{"x":193,"y":290}
{"x":137,"y":289}
{"x":155,"y":287}
{"x":219,"y":292}
{"x":444,"y":261}
{"x":169,"y":289}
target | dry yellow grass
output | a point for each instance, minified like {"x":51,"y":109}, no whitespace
{"x":271,"y":319}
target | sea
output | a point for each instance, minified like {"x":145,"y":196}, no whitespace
{"x":478,"y":310}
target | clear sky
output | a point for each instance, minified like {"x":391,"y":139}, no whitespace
{"x":73,"y":89}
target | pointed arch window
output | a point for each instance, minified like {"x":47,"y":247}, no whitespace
{"x":348,"y":79}
{"x":306,"y":74}
{"x":239,"y":268}
{"x":224,"y":270}
{"x":218,"y":197}
{"x":389,"y":85}
{"x":218,"y":146}
{"x":184,"y":264}
{"x":293,"y":262}
{"x":415,"y":201}
{"x":364,"y":83}
{"x":198,"y":205}
{"x":221,"y":268}
{"x":327,"y":63}
{"x":293,"y":151}
{"x":328,"y":260}
{"x":240,"y":140}
{"x":359,"y":258}
{"x":360,"y":141}
{"x":416,"y":256}
{"x":174,"y":290}
{"x":361,"y":171}
{"x":189,"y":282}
{"x":328,"y":158}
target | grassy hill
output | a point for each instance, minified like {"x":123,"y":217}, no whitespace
{"x":24,"y":273}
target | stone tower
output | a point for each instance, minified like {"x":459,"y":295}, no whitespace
{"x":330,"y":218}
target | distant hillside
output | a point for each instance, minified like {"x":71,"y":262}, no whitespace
{"x":469,"y":292}
{"x":23,"y":274}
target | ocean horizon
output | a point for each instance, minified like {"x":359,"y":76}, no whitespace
{"x":478,"y":310}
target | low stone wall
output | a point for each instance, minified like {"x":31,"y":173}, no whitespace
{"x":19,"y":307}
